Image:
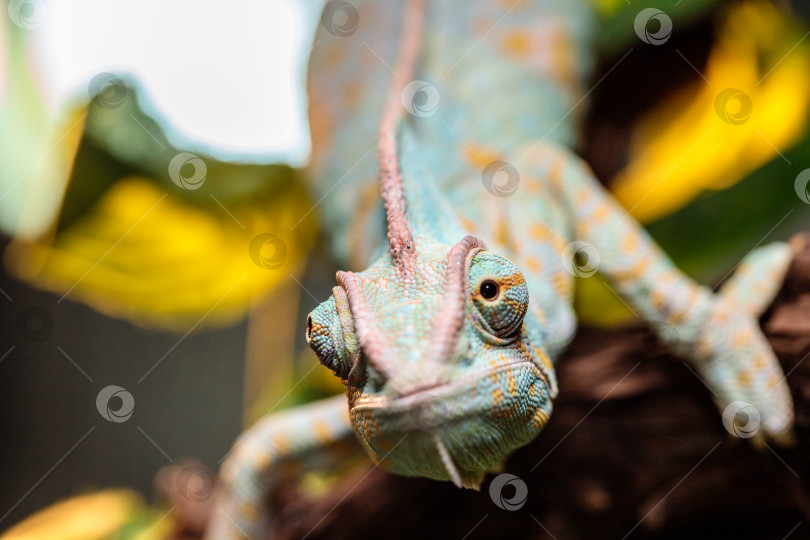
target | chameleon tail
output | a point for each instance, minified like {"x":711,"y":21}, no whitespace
{"x":278,"y":448}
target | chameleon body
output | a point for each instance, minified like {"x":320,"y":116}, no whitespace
{"x":465,"y":221}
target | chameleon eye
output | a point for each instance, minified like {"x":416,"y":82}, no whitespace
{"x":499,"y":293}
{"x":330,"y":337}
{"x":489,"y":290}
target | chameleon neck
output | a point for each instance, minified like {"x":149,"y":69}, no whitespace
{"x":503,"y":74}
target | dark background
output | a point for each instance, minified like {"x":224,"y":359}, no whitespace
{"x":189,"y":405}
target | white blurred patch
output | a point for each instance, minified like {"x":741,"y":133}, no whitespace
{"x":227,"y":76}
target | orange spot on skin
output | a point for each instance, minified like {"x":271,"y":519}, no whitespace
{"x":511,"y":4}
{"x":512,"y":383}
{"x":533,"y":265}
{"x":539,"y":231}
{"x":658,"y":300}
{"x":493,"y":376}
{"x":703,"y":348}
{"x":632,"y":273}
{"x":502,"y":234}
{"x":467,"y":224}
{"x":517,"y":44}
{"x":740,"y":339}
{"x":479,"y":156}
{"x":562,"y":284}
{"x":581,"y":196}
{"x":744,"y":378}
{"x":497,"y":397}
{"x":544,"y":358}
{"x":540,"y":418}
{"x":629,"y":243}
{"x":532,"y":184}
{"x":322,"y":432}
{"x":601,"y":213}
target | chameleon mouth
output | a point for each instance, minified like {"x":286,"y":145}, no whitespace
{"x":456,"y":430}
{"x":422,"y":396}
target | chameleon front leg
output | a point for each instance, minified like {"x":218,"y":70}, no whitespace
{"x":280,"y":447}
{"x":718,"y":334}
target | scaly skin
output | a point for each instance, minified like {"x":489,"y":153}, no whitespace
{"x":443,"y":379}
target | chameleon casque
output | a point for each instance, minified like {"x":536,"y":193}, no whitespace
{"x":446,"y":341}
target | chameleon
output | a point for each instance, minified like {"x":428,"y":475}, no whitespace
{"x":443,"y":165}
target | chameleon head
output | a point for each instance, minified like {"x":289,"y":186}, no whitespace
{"x":443,"y":379}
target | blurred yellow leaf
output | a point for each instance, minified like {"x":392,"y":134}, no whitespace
{"x":147,"y":255}
{"x":86,"y":517}
{"x":711,"y":134}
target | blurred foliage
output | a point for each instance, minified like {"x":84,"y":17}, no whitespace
{"x":709,"y":135}
{"x":708,"y":181}
{"x":38,"y":144}
{"x":133,"y":243}
{"x":615,"y":32}
{"x":112,"y":514}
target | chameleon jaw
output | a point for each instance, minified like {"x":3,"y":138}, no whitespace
{"x":430,"y":433}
